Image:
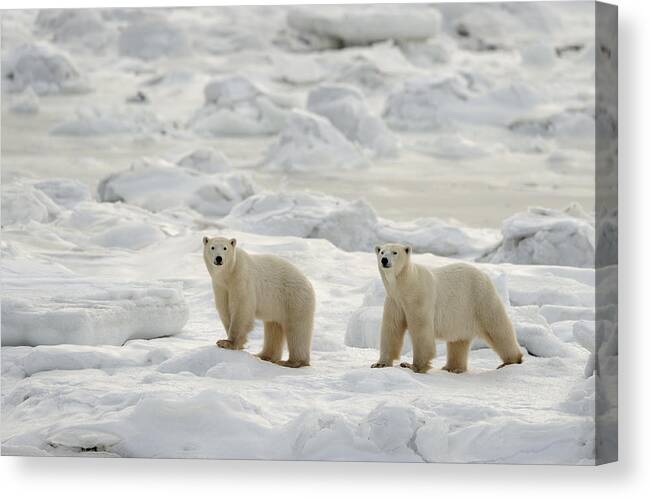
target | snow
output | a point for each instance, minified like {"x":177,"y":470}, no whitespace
{"x":235,"y":106}
{"x":157,"y":185}
{"x":548,"y":237}
{"x":312,"y":134}
{"x":26,"y":102}
{"x":351,"y":225}
{"x":44,"y":68}
{"x":311,"y":142}
{"x":366,"y":24}
{"x":346,"y":109}
{"x":94,"y":121}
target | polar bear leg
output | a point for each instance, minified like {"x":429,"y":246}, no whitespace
{"x":274,"y":337}
{"x":392,"y":336}
{"x":299,"y":342}
{"x":424,"y":347}
{"x":457,"y":356}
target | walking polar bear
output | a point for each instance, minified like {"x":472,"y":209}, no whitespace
{"x":455,"y":303}
{"x":249,"y":287}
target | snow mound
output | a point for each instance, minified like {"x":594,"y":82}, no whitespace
{"x":151,"y":39}
{"x":205,"y":161}
{"x":75,"y":357}
{"x":378,"y":380}
{"x":41,"y":310}
{"x":310,"y":142}
{"x":47,"y":70}
{"x":157,"y":185}
{"x":366,"y":24}
{"x":235,"y":106}
{"x":351,"y":225}
{"x":422,"y":104}
{"x":218,"y":363}
{"x":346,"y":109}
{"x":25,"y":103}
{"x":23,"y":203}
{"x":94,"y":121}
{"x":547,"y":237}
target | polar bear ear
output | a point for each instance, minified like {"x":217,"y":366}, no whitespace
{"x":377,"y":249}
{"x":407,"y":249}
{"x":205,"y":240}
{"x":233,"y":242}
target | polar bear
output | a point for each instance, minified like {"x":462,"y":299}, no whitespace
{"x":454,"y":303}
{"x":248,"y":287}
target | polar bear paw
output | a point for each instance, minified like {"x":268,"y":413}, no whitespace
{"x":416,"y":369}
{"x":227,"y":344}
{"x":453,"y":369}
{"x":379,"y":365}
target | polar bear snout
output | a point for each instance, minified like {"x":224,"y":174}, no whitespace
{"x":385,"y":262}
{"x":219,"y":260}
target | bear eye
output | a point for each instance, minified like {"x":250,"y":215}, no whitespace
{"x":225,"y":248}
{"x":212,"y":248}
{"x":395,"y":252}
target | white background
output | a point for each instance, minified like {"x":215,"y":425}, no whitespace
{"x":98,"y":478}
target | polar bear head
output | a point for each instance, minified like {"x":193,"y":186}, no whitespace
{"x":392,"y":258}
{"x":219,"y":253}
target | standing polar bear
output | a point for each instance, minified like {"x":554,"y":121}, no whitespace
{"x":249,"y":287}
{"x":455,"y":303}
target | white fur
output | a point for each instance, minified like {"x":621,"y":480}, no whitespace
{"x":454,"y":303}
{"x":249,"y":287}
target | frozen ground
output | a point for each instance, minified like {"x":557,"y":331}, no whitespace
{"x":312,"y":135}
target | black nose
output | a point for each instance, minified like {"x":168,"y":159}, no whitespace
{"x":384,"y":260}
{"x":218,"y":260}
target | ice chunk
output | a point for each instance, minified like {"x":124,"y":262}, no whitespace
{"x":235,"y":106}
{"x":39,"y":310}
{"x":157,"y":185}
{"x":547,"y":237}
{"x":151,"y":39}
{"x":347,"y":110}
{"x":65,"y":192}
{"x":206,"y":161}
{"x":421,"y":104}
{"x":85,"y":28}
{"x":310,"y":142}
{"x":367,"y":24}
{"x":364,"y":327}
{"x":535,"y":335}
{"x":45,"y":69}
{"x":22,"y":203}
